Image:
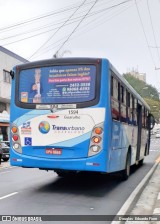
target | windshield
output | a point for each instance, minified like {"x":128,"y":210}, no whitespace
{"x":57,"y":84}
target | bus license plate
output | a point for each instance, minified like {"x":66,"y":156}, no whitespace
{"x":53,"y":151}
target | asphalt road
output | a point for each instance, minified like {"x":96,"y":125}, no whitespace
{"x":34,"y":192}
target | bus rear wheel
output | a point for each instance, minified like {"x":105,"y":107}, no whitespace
{"x":141,"y":162}
{"x":126,"y":172}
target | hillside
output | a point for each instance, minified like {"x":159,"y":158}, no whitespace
{"x":148,"y":92}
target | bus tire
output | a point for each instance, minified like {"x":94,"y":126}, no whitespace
{"x":126,"y":172}
{"x":141,"y":162}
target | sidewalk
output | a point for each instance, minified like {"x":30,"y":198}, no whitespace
{"x":144,"y":202}
{"x":148,"y":202}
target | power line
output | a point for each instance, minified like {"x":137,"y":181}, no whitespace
{"x":76,"y":27}
{"x":154,"y":47}
{"x":146,"y":39}
{"x":144,"y":33}
{"x":37,"y":18}
{"x":95,"y":26}
{"x":88,"y":15}
{"x":58,"y":29}
{"x":154,"y":36}
{"x":82,"y":21}
{"x":47,"y":30}
{"x":51,"y":24}
{"x":24,"y":22}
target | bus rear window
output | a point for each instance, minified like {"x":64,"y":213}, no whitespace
{"x":57,"y":84}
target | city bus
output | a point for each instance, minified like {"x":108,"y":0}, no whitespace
{"x":76,"y":114}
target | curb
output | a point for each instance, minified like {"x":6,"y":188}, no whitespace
{"x":156,"y":211}
{"x":138,"y":190}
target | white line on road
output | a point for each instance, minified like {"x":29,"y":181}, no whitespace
{"x":8,"y":195}
{"x":8,"y":167}
{"x":5,"y":172}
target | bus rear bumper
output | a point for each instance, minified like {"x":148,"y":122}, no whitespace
{"x":94,"y":163}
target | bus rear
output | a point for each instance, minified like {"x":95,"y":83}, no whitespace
{"x":58,"y":117}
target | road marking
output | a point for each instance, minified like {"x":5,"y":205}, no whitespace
{"x":133,"y":195}
{"x":7,"y":167}
{"x":8,"y":195}
{"x":5,"y":172}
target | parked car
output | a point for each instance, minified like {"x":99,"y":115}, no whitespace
{"x":4,"y":148}
{"x":158,"y":135}
{"x":6,"y":142}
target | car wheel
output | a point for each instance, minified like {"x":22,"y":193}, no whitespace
{"x":5,"y":159}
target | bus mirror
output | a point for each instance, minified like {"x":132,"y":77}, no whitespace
{"x":151,"y":121}
{"x":12,"y":74}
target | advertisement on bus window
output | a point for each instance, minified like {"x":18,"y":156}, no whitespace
{"x":57,"y":84}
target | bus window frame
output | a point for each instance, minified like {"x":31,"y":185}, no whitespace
{"x":60,"y":62}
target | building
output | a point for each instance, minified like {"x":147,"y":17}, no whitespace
{"x":8,"y":59}
{"x":137,"y":75}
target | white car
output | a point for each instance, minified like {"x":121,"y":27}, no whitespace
{"x":158,"y":135}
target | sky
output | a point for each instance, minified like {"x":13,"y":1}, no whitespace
{"x":127,"y":32}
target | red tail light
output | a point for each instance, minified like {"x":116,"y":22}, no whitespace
{"x":15,"y":137}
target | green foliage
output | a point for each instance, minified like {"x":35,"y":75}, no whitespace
{"x":155,"y":108}
{"x":144,"y":90}
{"x":148,"y":92}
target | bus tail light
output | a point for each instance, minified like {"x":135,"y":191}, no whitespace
{"x":15,"y":138}
{"x":98,"y":130}
{"x":96,"y":140}
{"x":95,"y":148}
{"x":16,"y":144}
{"x":14,"y":129}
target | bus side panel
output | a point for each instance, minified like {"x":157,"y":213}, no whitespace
{"x":123,"y":137}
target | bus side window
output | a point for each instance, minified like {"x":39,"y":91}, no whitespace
{"x":144,"y":118}
{"x":147,"y":114}
{"x":114,"y":98}
{"x":134,"y":111}
{"x":129,"y":107}
{"x":123,"y":104}
{"x":143,"y":113}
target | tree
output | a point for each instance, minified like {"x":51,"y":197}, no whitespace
{"x":144,"y":90}
{"x":148,"y":92}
